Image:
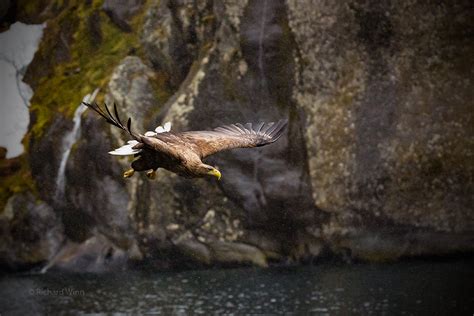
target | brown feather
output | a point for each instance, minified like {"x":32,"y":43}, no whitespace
{"x":231,"y":136}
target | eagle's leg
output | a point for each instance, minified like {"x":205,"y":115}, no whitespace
{"x":129,"y":173}
{"x":151,"y":174}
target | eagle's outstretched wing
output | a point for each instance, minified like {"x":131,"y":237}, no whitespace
{"x":233,"y":136}
{"x":203,"y":143}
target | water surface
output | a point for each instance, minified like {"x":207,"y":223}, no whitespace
{"x":407,"y":288}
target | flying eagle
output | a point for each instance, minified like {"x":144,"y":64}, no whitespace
{"x":182,"y":153}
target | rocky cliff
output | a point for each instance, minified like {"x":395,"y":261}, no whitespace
{"x":377,"y":163}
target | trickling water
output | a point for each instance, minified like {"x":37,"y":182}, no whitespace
{"x":68,"y":141}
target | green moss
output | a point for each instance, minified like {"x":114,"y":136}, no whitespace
{"x":59,"y":86}
{"x":89,"y":67}
{"x":16,"y":183}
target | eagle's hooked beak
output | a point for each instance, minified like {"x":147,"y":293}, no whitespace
{"x":216,"y":173}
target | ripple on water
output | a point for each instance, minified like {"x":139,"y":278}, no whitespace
{"x":325,"y":289}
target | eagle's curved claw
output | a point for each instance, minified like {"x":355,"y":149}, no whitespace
{"x":128,"y":173}
{"x":151,"y":174}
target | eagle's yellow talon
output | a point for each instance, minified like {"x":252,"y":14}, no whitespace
{"x":151,"y":174}
{"x":128,"y":173}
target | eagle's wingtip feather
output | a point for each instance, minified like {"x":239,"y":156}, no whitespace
{"x":275,"y":131}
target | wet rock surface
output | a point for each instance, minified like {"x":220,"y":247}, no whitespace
{"x":376,"y":163}
{"x":96,"y":195}
{"x":45,"y":155}
{"x":95,"y":254}
{"x":30,"y":232}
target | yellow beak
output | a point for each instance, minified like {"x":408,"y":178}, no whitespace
{"x":215,"y":173}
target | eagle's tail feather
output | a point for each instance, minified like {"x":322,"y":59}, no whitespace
{"x":127,"y":150}
{"x":110,"y":118}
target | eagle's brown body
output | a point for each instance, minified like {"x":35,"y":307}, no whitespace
{"x":182,"y":153}
{"x":184,"y":163}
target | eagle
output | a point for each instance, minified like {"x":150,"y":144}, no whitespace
{"x":183,"y":152}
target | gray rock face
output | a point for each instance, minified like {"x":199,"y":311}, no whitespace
{"x":238,"y":253}
{"x":120,"y":11}
{"x":131,"y":88}
{"x":45,"y":155}
{"x":231,"y":81}
{"x":96,"y":195}
{"x":376,"y":163}
{"x":173,"y":33}
{"x":392,"y":88}
{"x":372,"y":117}
{"x":30,"y":232}
{"x":96,"y":254}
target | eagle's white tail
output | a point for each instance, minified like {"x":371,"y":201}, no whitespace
{"x":126,"y":149}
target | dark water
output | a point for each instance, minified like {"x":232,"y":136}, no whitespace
{"x":407,"y":288}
